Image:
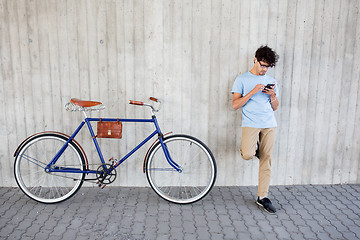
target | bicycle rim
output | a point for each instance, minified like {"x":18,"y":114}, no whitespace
{"x":198,"y":170}
{"x":30,"y":175}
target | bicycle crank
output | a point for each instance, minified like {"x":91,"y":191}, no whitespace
{"x":105,"y":174}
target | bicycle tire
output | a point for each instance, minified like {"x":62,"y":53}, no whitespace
{"x":42,"y":186}
{"x":198,"y":173}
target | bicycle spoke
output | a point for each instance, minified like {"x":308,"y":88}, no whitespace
{"x":39,"y":182}
{"x":163,"y":169}
{"x":29,"y":174}
{"x":34,"y":161}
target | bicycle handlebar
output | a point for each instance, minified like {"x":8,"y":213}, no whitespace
{"x":136,"y":103}
{"x":139,"y":103}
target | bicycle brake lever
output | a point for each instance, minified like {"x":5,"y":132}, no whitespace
{"x":153,"y":99}
{"x":158,"y":101}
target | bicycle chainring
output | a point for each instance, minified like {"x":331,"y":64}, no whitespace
{"x":106,"y":174}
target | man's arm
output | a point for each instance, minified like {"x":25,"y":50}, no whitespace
{"x":274,"y":102}
{"x":239,"y":100}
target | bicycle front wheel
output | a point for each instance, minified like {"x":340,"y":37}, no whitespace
{"x":197,"y":175}
{"x":48,"y":187}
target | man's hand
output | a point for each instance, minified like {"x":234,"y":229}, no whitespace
{"x":273,"y":100}
{"x":257,"y":88}
{"x":270,"y":91}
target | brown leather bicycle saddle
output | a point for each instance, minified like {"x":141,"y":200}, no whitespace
{"x":84,"y":103}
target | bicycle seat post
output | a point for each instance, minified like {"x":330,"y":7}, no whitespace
{"x":84,"y":112}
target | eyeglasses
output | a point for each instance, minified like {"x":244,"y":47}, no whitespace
{"x":264,"y":66}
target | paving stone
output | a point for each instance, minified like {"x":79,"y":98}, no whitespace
{"x":16,"y":234}
{"x":244,"y":235}
{"x":321,"y":219}
{"x":32,"y":230}
{"x":70,"y":234}
{"x":274,"y":221}
{"x":315,"y":226}
{"x":211,"y":216}
{"x":239,"y":226}
{"x":323,"y":236}
{"x":255,"y":233}
{"x":225,"y":220}
{"x":203,"y":233}
{"x":350,"y":214}
{"x":214,"y":227}
{"x":356,"y":230}
{"x":340,"y":226}
{"x":249,"y":220}
{"x":307,"y":232}
{"x":290,"y":226}
{"x":188,"y":215}
{"x":229,"y":233}
{"x":175,"y":236}
{"x":50,"y":224}
{"x":234,"y":215}
{"x":350,"y":235}
{"x":281,"y":232}
{"x":198,"y":211}
{"x":42,"y":234}
{"x":220,"y":209}
{"x":186,"y":236}
{"x":295,"y":236}
{"x":333,"y":232}
{"x":163,"y":228}
{"x":347,"y":221}
{"x":200,"y":221}
{"x":304,"y":214}
{"x":298,"y":221}
{"x":175,"y":221}
{"x":214,"y":236}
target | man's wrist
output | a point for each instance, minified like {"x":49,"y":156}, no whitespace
{"x":273,"y":98}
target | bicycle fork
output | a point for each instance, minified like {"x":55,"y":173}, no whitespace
{"x":165,"y":148}
{"x":168,"y":157}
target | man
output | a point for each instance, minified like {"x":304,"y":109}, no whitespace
{"x":258,"y":101}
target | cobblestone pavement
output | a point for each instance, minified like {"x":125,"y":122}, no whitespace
{"x":304,"y":212}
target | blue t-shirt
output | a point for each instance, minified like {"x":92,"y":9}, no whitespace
{"x":257,"y":112}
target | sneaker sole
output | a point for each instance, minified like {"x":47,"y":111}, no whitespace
{"x":272,"y":213}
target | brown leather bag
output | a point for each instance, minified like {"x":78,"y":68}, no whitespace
{"x":109,"y":129}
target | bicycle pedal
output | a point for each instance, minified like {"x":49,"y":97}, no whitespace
{"x":113,"y":161}
{"x":101,"y":185}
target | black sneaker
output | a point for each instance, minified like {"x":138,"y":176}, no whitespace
{"x":266,"y":204}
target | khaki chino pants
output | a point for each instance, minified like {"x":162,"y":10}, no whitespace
{"x":266,"y":137}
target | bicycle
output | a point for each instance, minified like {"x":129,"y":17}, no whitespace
{"x":50,"y":167}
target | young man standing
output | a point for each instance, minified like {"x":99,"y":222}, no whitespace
{"x":256,"y":93}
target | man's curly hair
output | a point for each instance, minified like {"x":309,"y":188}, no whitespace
{"x":266,"y":54}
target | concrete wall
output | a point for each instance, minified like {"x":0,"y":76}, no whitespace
{"x":187,"y":53}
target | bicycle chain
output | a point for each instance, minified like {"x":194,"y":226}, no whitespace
{"x":96,"y":180}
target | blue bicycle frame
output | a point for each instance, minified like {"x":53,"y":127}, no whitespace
{"x":50,"y":167}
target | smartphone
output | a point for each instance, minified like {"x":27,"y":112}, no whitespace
{"x":269,"y":86}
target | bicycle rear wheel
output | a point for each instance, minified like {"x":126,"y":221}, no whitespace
{"x":198,"y":166}
{"x":48,"y":187}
